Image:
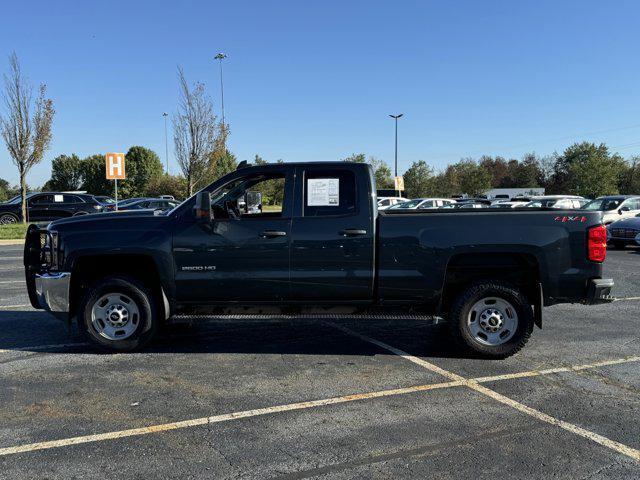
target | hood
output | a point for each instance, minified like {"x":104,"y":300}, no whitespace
{"x":110,"y":218}
{"x":631,"y":222}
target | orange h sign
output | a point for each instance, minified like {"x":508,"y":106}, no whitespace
{"x":115,"y":166}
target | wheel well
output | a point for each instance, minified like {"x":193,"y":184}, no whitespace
{"x":520,"y":270}
{"x":88,"y":269}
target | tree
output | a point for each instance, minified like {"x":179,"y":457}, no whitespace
{"x":473,"y":179}
{"x":497,"y":169}
{"x":94,"y":179}
{"x":194,"y":132}
{"x":590,"y":170}
{"x":141,"y":166}
{"x":66,"y":174}
{"x":630,"y":179}
{"x":418,"y":180}
{"x":4,"y":190}
{"x":166,"y":184}
{"x":381,"y":170}
{"x":26,"y":128}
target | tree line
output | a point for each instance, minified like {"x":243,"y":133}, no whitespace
{"x":583,"y":169}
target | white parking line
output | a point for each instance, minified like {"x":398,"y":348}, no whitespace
{"x":622,"y":299}
{"x":474,"y":385}
{"x":14,"y":306}
{"x":10,"y":258}
{"x":37,"y":348}
{"x":12,"y":281}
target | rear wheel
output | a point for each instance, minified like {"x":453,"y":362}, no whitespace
{"x":492,"y":319}
{"x":118,"y":314}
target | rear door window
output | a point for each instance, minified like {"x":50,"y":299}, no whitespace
{"x":329,"y":193}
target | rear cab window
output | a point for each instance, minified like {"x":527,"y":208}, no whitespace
{"x":329,"y":193}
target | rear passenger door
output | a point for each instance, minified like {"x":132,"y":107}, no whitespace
{"x":332,"y":235}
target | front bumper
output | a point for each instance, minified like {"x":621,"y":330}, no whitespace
{"x":52,"y":292}
{"x":599,"y":291}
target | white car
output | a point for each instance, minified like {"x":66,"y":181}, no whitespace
{"x":424,"y":204}
{"x":508,"y":204}
{"x":386,"y":202}
{"x":569,"y":202}
{"x":615,"y":207}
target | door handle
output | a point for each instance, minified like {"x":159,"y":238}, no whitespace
{"x":273,"y":234}
{"x":352,"y":232}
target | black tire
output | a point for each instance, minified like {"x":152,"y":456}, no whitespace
{"x":147,"y":318}
{"x":618,"y":245}
{"x":8,"y":219}
{"x":460,"y":315}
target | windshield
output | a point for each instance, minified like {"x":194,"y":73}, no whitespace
{"x":603,"y":204}
{"x":16,"y":200}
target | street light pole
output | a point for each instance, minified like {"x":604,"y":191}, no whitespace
{"x":166,"y":142}
{"x":221,"y":56}
{"x":396,"y":117}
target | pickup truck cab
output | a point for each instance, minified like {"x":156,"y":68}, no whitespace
{"x":323,"y":244}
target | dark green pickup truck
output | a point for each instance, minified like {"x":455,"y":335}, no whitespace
{"x":322,"y":243}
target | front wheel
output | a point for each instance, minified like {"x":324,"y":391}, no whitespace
{"x":492,"y":319}
{"x":118,"y":314}
{"x":8,"y":219}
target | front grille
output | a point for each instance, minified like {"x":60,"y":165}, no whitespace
{"x":626,"y":233}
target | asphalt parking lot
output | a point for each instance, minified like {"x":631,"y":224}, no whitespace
{"x":322,"y":399}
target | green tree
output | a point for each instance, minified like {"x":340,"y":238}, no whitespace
{"x":474,"y":180}
{"x":94,"y":179}
{"x":381,"y":170}
{"x":630,"y":179}
{"x":66,"y":173}
{"x":141,"y":165}
{"x":590,"y":170}
{"x":496,"y":167}
{"x":418,"y":180}
{"x":165,"y":184}
{"x":4,"y":190}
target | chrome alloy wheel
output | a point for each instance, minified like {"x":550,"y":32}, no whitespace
{"x":492,"y":321}
{"x":8,"y":219}
{"x":115,"y":316}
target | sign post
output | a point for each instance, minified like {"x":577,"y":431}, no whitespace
{"x":399,"y":183}
{"x":115,"y":170}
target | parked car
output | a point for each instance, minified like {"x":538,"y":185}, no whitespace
{"x":149,"y":204}
{"x":48,"y":206}
{"x":105,"y":200}
{"x":121,"y":275}
{"x":423,"y":204}
{"x":568,"y":202}
{"x":615,"y":207}
{"x":623,"y":232}
{"x":508,"y":204}
{"x":386,"y":202}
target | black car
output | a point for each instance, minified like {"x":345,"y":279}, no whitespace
{"x":624,"y":232}
{"x":48,"y":206}
{"x":148,"y":204}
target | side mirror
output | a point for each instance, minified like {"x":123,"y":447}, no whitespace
{"x":202,"y":208}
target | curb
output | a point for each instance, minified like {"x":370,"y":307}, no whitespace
{"x":12,"y":242}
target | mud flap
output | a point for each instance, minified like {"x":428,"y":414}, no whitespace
{"x":537,"y":307}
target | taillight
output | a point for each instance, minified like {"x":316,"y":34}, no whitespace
{"x":597,"y":243}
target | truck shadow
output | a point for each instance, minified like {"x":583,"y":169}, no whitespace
{"x":38,"y":332}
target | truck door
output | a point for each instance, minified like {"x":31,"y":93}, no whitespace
{"x":242,"y":256}
{"x":332,"y":234}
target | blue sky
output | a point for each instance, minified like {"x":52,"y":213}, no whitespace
{"x":316,"y":80}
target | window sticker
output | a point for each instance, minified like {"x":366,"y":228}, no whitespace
{"x":57,"y":198}
{"x":323,"y":192}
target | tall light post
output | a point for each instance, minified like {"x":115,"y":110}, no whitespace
{"x":166,"y":142}
{"x":396,"y":117}
{"x":221,"y":56}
